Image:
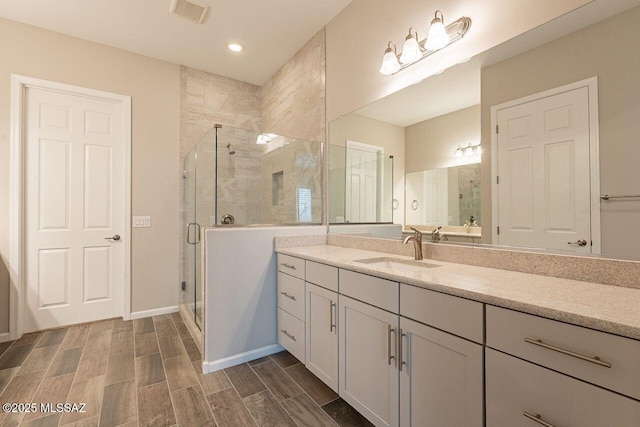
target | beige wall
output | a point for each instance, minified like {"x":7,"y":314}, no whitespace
{"x":431,"y":144}
{"x":609,"y":50}
{"x":358,"y":36}
{"x":155,"y":90}
{"x":293,"y":100}
{"x":368,"y":131}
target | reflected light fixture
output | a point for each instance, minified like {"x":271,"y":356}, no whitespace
{"x":265,"y":138}
{"x":390,"y":63}
{"x":415,"y":50}
{"x":469,"y":150}
{"x":235,"y":47}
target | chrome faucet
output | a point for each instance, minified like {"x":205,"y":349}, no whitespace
{"x":435,"y":234}
{"x":417,"y":242}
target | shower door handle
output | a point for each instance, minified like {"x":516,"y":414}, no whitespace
{"x":197,"y":233}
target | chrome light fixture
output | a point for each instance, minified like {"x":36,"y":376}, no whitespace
{"x":415,"y":50}
{"x":469,"y":150}
{"x":390,"y":64}
{"x":265,"y":138}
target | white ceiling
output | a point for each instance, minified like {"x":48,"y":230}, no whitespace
{"x":459,"y":86}
{"x":271,"y":30}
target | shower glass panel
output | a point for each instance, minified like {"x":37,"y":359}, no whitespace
{"x":266,"y":179}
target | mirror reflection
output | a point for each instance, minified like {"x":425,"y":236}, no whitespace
{"x":555,"y":112}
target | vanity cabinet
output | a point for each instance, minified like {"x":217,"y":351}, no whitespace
{"x":591,"y":373}
{"x":291,"y":305}
{"x":368,"y":360}
{"x":322,"y":322}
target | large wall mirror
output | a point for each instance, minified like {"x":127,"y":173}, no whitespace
{"x":518,"y":146}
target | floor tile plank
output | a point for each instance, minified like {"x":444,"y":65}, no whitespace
{"x":39,"y":359}
{"x":266,"y":410}
{"x":53,"y":337}
{"x":143,"y":326}
{"x":15,"y":356}
{"x":154,"y":406}
{"x":258,"y":361}
{"x":244,"y":380}
{"x":76,"y":337}
{"x":213,"y":382}
{"x":99,"y":340}
{"x":65,"y":362}
{"x":118,"y":404}
{"x":104,"y":325}
{"x":192,"y":349}
{"x":120,"y":367}
{"x":192,"y":408}
{"x":6,"y":375}
{"x":149,"y":370}
{"x":22,"y":388}
{"x":343,"y":414}
{"x":311,"y":384}
{"x":120,"y":325}
{"x":90,"y":392}
{"x":122,"y":342}
{"x":30,"y":338}
{"x":229,"y":410}
{"x":47,"y":421}
{"x":51,"y":390}
{"x":305,"y":412}
{"x":146,"y":344}
{"x":4,"y":346}
{"x":171,"y":346}
{"x":284,"y":359}
{"x":277,"y":381}
{"x":180,"y":373}
{"x":92,"y":364}
{"x":183,"y":331}
{"x":164,"y":325}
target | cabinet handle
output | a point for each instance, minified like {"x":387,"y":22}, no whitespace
{"x":332,"y":322}
{"x":595,"y":359}
{"x":389,"y":331}
{"x":288,"y":296}
{"x":293,"y":267}
{"x":288,"y":334}
{"x":538,"y":418}
{"x":401,"y":360}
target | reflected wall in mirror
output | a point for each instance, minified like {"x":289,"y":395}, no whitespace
{"x":452,"y":109}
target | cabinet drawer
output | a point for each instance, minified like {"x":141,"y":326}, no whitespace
{"x":291,"y":295}
{"x":372,"y":290}
{"x":291,"y":334}
{"x":564,"y":348}
{"x":452,"y":314}
{"x":322,"y":275}
{"x":515,"y":388}
{"x":291,"y":265}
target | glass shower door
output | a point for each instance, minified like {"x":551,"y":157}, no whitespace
{"x":191,"y":276}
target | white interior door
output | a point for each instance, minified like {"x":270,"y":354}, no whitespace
{"x":74,"y":202}
{"x":436,"y":197}
{"x":362,"y":182}
{"x":544,"y":190}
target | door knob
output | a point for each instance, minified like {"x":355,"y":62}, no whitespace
{"x":580,"y":242}
{"x":115,"y":237}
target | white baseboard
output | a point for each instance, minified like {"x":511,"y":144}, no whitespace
{"x":154,"y":312}
{"x":237,"y":359}
{"x":5,"y":337}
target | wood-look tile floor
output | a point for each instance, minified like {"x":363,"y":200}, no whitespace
{"x":147,"y":372}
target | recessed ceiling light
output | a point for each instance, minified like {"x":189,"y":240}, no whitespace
{"x":235,"y":47}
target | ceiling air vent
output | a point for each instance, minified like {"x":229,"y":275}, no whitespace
{"x":190,"y":10}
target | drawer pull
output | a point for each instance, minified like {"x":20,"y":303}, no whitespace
{"x":595,"y":360}
{"x":538,"y":418}
{"x":288,"y":334}
{"x":332,"y":322}
{"x":401,"y":360}
{"x":284,"y":264}
{"x":288,"y":296}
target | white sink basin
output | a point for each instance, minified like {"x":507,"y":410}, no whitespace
{"x":397,"y":264}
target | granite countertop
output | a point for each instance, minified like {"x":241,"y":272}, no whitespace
{"x":607,"y":308}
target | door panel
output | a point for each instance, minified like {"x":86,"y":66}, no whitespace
{"x":322,"y":334}
{"x":544,"y":192}
{"x":75,"y":199}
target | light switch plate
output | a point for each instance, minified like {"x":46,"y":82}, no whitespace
{"x":141,"y":221}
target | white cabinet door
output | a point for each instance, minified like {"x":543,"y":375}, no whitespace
{"x":368,"y":368}
{"x":322,"y":334}
{"x":440,"y":378}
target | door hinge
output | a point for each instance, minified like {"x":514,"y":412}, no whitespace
{"x":183,"y":286}
{"x":496,"y":128}
{"x":498,"y":229}
{"x":497,"y":180}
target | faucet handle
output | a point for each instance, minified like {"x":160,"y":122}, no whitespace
{"x":417,"y":232}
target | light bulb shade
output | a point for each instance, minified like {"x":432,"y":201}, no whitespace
{"x":390,"y":63}
{"x":458,"y":152}
{"x":411,"y":51}
{"x":478,"y":149}
{"x":261,"y":140}
{"x":437,"y":37}
{"x":469,"y":150}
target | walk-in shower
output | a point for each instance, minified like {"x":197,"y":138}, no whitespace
{"x":235,"y":178}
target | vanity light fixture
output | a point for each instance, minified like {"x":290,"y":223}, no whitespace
{"x":469,"y":150}
{"x":235,"y":47}
{"x":415,"y":50}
